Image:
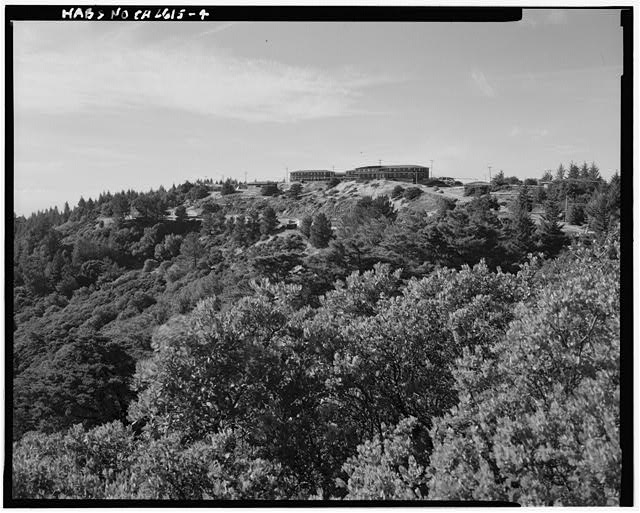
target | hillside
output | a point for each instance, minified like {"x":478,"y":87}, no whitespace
{"x":233,"y":353}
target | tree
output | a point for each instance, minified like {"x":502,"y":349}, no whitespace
{"x":66,"y":213}
{"x":181,"y":213}
{"x":547,"y":176}
{"x":613,"y":196}
{"x":295,"y":190}
{"x":552,"y":238}
{"x":149,"y":206}
{"x":320,"y":233}
{"x":498,"y":179}
{"x":387,"y":467}
{"x":599,"y":212}
{"x":397,"y":192}
{"x":270,"y":189}
{"x":521,"y":230}
{"x":191,"y":249}
{"x":575,"y":214}
{"x":305,"y":225}
{"x":269,"y":221}
{"x":85,"y":381}
{"x":560,"y":173}
{"x":227,"y":187}
{"x":538,"y":420}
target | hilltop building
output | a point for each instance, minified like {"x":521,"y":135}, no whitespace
{"x":311,"y":175}
{"x":400,"y":172}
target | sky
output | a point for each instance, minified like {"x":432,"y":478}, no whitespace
{"x":134,"y":105}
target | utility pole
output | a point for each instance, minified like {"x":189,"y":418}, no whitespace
{"x":245,"y":177}
{"x":566,"y":206}
{"x":489,"y":173}
{"x":432,"y":175}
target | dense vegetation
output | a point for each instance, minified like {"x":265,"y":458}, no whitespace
{"x":467,"y":353}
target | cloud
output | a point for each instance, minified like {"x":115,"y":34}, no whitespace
{"x":482,"y":84}
{"x":115,"y":73}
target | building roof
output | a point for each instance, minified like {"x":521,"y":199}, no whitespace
{"x":386,"y":166}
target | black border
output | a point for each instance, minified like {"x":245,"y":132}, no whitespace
{"x":327,"y":14}
{"x":626,"y":260}
{"x":287,"y":13}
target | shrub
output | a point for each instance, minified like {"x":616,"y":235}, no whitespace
{"x":397,"y":192}
{"x":412,"y":193}
{"x":476,"y":189}
{"x":270,"y":189}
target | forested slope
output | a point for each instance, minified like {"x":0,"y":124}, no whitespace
{"x":463,"y":354}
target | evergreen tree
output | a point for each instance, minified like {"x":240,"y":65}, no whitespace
{"x":550,"y":233}
{"x":191,"y":249}
{"x":560,"y":173}
{"x":498,"y":179}
{"x":599,"y":212}
{"x":547,"y":176}
{"x":320,"y":232}
{"x":575,"y":214}
{"x":66,"y":213}
{"x":181,"y":213}
{"x":613,"y":196}
{"x":305,"y":225}
{"x":120,"y":206}
{"x":584,"y":171}
{"x":295,"y":190}
{"x":269,"y":221}
{"x":227,"y":187}
{"x":253,"y":225}
{"x":240,"y":230}
{"x":522,"y":229}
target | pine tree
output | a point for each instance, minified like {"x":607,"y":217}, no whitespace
{"x":269,"y":221}
{"x":305,"y":225}
{"x":613,"y":196}
{"x":560,"y":173}
{"x":584,"y":171}
{"x":550,"y":233}
{"x":320,"y":233}
{"x":240,"y":230}
{"x":181,"y":213}
{"x":599,"y":212}
{"x":547,"y":176}
{"x":521,"y":233}
{"x":66,"y":213}
{"x":191,"y":248}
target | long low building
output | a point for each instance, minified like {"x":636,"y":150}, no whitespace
{"x":399,"y":172}
{"x":311,"y":175}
